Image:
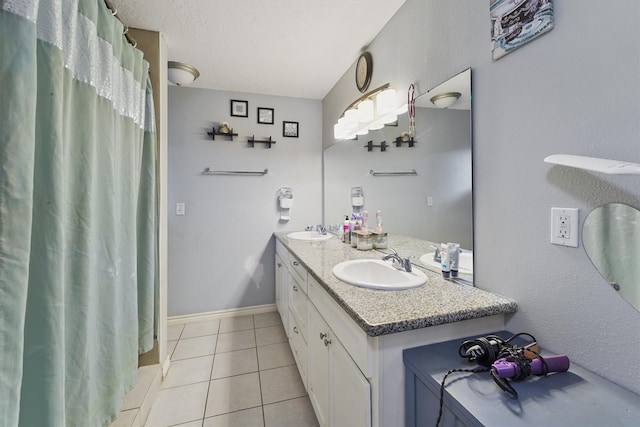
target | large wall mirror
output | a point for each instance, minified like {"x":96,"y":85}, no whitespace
{"x":436,"y":203}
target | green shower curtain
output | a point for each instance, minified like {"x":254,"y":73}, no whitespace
{"x":78,"y":228}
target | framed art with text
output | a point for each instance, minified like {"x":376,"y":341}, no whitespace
{"x":290,"y":129}
{"x":516,"y":22}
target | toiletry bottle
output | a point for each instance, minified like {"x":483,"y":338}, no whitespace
{"x":354,"y":234}
{"x":379,"y":222}
{"x":454,"y":257}
{"x":444,"y":260}
{"x":352,"y":224}
{"x":365,"y":223}
{"x":345,"y":230}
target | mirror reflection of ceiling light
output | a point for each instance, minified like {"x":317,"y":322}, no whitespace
{"x":445,"y":100}
{"x":369,"y":112}
{"x":181,"y":74}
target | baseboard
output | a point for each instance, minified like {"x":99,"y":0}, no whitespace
{"x":221,"y":314}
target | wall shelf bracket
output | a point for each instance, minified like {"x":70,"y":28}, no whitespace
{"x":370,"y":146}
{"x":253,"y":140}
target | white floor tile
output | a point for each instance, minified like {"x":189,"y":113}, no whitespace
{"x":171,"y":346}
{"x":234,"y":324}
{"x":275,"y":356}
{"x":233,"y":394}
{"x":290,"y":413}
{"x":245,"y":418}
{"x":267,"y":319}
{"x":136,"y":395}
{"x":188,"y":371}
{"x":178,"y":405}
{"x":281,"y":384}
{"x":173,"y":332}
{"x":191,"y":424}
{"x":234,"y":363}
{"x":195,"y":347}
{"x":126,"y":419}
{"x":233,"y":341}
{"x":270,"y":335}
{"x":198,"y":329}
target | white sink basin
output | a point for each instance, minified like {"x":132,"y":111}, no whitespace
{"x":378,"y":274}
{"x":465,"y":262}
{"x":312,"y":236}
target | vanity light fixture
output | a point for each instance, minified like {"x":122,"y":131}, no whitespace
{"x":369,"y":112}
{"x":181,"y":74}
{"x":445,"y":100}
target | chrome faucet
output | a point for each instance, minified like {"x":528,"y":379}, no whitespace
{"x":436,"y":254}
{"x":398,"y":262}
{"x":321,"y":229}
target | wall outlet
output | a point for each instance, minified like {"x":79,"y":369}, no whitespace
{"x":180,"y":208}
{"x":564,"y":227}
{"x":429,"y":201}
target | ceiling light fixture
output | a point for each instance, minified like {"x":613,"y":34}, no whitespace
{"x":182,"y":74}
{"x":445,"y":100}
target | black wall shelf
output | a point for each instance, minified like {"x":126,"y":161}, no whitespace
{"x":370,"y":146}
{"x":399,"y":141}
{"x":253,"y":140}
{"x":228,"y":135}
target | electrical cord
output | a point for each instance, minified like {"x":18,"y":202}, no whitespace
{"x":473,"y":371}
{"x":486,"y":350}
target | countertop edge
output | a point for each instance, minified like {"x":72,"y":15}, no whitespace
{"x":376,"y":330}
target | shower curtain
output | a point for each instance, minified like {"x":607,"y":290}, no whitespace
{"x":78,"y":227}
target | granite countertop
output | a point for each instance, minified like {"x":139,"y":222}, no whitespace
{"x":380,"y":312}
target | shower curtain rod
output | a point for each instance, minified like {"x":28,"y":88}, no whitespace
{"x":125,"y":33}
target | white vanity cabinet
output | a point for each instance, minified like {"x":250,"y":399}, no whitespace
{"x":339,"y":392}
{"x":298,"y":318}
{"x":291,"y":301}
{"x":352,"y":378}
{"x":282,"y":285}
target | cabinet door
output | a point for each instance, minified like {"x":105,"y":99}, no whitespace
{"x":318,"y":365}
{"x":281,"y":292}
{"x":351,"y":392}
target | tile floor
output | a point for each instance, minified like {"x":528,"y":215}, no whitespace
{"x":231,"y":372}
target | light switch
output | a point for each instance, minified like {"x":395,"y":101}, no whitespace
{"x":180,"y":208}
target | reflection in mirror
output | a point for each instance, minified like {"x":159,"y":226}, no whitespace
{"x":435,"y":203}
{"x":611,"y":238}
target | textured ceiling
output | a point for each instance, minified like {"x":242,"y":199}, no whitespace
{"x":297,"y":48}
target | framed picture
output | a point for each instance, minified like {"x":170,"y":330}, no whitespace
{"x":265,"y":116}
{"x":239,"y":108}
{"x":514,"y":23}
{"x":290,"y":129}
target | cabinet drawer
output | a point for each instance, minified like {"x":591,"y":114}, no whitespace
{"x":298,"y":348}
{"x":299,"y":272}
{"x":298,"y":306}
{"x":345,"y":329}
{"x":282,"y":251}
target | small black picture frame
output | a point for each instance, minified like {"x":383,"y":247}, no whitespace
{"x":239,"y":108}
{"x":290,"y":129}
{"x":265,"y":116}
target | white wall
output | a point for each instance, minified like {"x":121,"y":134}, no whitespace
{"x":574,"y":90}
{"x":221,"y":252}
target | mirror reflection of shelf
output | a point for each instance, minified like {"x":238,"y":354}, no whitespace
{"x":370,"y":146}
{"x":400,"y":140}
{"x":229,"y":135}
{"x":253,"y":140}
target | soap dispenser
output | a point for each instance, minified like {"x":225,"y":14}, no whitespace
{"x":285,"y":202}
{"x":357,"y":198}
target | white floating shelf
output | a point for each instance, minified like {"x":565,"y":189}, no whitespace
{"x":610,"y":167}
